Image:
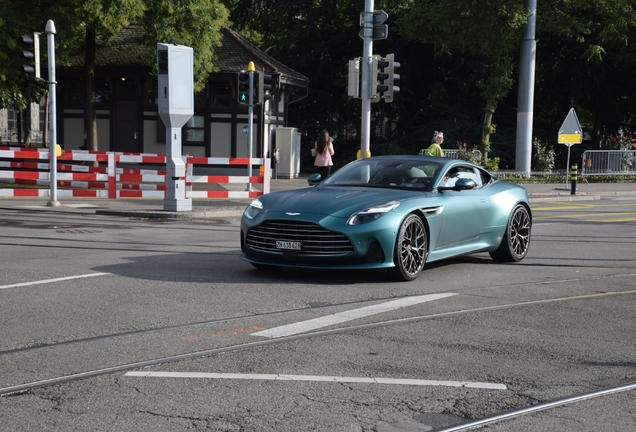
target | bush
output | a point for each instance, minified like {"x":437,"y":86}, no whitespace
{"x":542,"y":157}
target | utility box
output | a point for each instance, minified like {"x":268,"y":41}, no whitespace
{"x":175,"y":80}
{"x":288,"y":143}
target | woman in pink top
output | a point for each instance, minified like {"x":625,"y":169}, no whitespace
{"x":324,"y":151}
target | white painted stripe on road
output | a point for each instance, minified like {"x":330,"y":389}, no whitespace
{"x":52,"y":280}
{"x":316,"y":378}
{"x":340,"y":317}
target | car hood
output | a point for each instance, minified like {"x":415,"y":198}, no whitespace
{"x":333,"y":200}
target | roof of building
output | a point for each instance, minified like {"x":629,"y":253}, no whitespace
{"x":233,"y":55}
{"x":236,"y":52}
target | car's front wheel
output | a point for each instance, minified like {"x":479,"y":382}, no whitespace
{"x":516,"y":241}
{"x":410,"y":249}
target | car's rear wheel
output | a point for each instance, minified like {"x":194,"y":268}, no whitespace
{"x":516,"y":241}
{"x":410,"y":249}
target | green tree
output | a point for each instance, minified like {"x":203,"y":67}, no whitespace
{"x":313,"y":37}
{"x":85,"y":24}
{"x":195,"y":23}
{"x":103,"y":19}
{"x":586,"y":58}
{"x":16,"y":90}
{"x":489,"y":31}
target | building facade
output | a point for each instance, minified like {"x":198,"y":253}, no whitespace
{"x":126,"y":103}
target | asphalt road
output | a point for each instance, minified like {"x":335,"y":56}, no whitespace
{"x":158,"y":326}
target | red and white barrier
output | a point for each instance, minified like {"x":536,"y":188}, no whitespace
{"x":118,"y":182}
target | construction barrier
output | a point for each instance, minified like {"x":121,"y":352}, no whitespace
{"x":20,"y":166}
{"x":608,"y":162}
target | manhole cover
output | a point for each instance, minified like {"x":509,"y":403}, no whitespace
{"x":77,"y":231}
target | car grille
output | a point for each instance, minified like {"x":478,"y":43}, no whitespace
{"x":313,"y":239}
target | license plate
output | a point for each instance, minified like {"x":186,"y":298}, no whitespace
{"x":288,"y":245}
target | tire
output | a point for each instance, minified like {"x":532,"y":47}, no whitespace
{"x":516,"y":240}
{"x":409,"y":255}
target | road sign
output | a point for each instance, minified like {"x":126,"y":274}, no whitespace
{"x":379,"y":17}
{"x":246,"y":129}
{"x":380,"y":30}
{"x":571,"y":132}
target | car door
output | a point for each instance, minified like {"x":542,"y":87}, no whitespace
{"x":465,"y":215}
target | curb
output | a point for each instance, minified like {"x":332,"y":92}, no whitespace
{"x":161,"y":214}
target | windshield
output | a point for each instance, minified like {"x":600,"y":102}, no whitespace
{"x":386,"y":173}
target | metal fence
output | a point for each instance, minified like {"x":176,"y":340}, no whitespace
{"x":608,"y":162}
{"x":453,"y":154}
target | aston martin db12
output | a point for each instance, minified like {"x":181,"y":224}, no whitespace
{"x":389,"y":212}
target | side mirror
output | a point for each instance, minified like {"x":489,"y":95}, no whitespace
{"x":314,"y":179}
{"x":460,"y":184}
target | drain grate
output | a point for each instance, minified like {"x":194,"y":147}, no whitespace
{"x":77,"y":231}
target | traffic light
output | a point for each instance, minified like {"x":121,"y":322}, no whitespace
{"x":378,"y":77}
{"x":390,"y":81}
{"x":243,"y":88}
{"x":353,"y":89}
{"x":31,"y":53}
{"x":267,"y":85}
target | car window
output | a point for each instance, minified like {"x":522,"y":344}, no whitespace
{"x":391,"y":173}
{"x":486,"y":178}
{"x":458,"y":172}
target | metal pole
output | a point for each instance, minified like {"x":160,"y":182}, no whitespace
{"x":250,"y":132}
{"x":365,"y":64}
{"x":567,"y":166}
{"x":50,"y":39}
{"x":526,"y":91}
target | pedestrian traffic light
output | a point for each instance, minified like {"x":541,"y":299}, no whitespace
{"x":31,"y":53}
{"x":243,"y":88}
{"x":267,"y":86}
{"x":390,"y":81}
{"x":378,"y":77}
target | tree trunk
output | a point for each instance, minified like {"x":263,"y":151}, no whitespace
{"x":90,"y":114}
{"x":491,"y":106}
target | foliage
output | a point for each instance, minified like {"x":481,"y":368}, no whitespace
{"x":17,"y":97}
{"x":542,"y":157}
{"x":493,"y":164}
{"x":621,"y":141}
{"x":196,"y":24}
{"x":467,"y":153}
{"x":454,"y":55}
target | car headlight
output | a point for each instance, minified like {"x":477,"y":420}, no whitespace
{"x":253,"y":209}
{"x":372,"y":213}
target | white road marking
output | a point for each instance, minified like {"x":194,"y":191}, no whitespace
{"x":363,"y":380}
{"x":72,"y":205}
{"x":52,"y":280}
{"x":316,"y":323}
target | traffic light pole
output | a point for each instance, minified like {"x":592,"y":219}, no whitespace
{"x":367,"y":52}
{"x":250,"y":125}
{"x":50,"y":38}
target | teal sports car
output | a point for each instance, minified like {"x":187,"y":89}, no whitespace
{"x":389,"y":212}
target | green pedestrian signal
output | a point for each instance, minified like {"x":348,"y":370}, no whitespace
{"x":243,"y":88}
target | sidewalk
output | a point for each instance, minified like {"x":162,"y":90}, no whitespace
{"x":211,"y":208}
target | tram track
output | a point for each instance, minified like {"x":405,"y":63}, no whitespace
{"x":281,"y":340}
{"x":289,"y":311}
{"x":509,"y":415}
